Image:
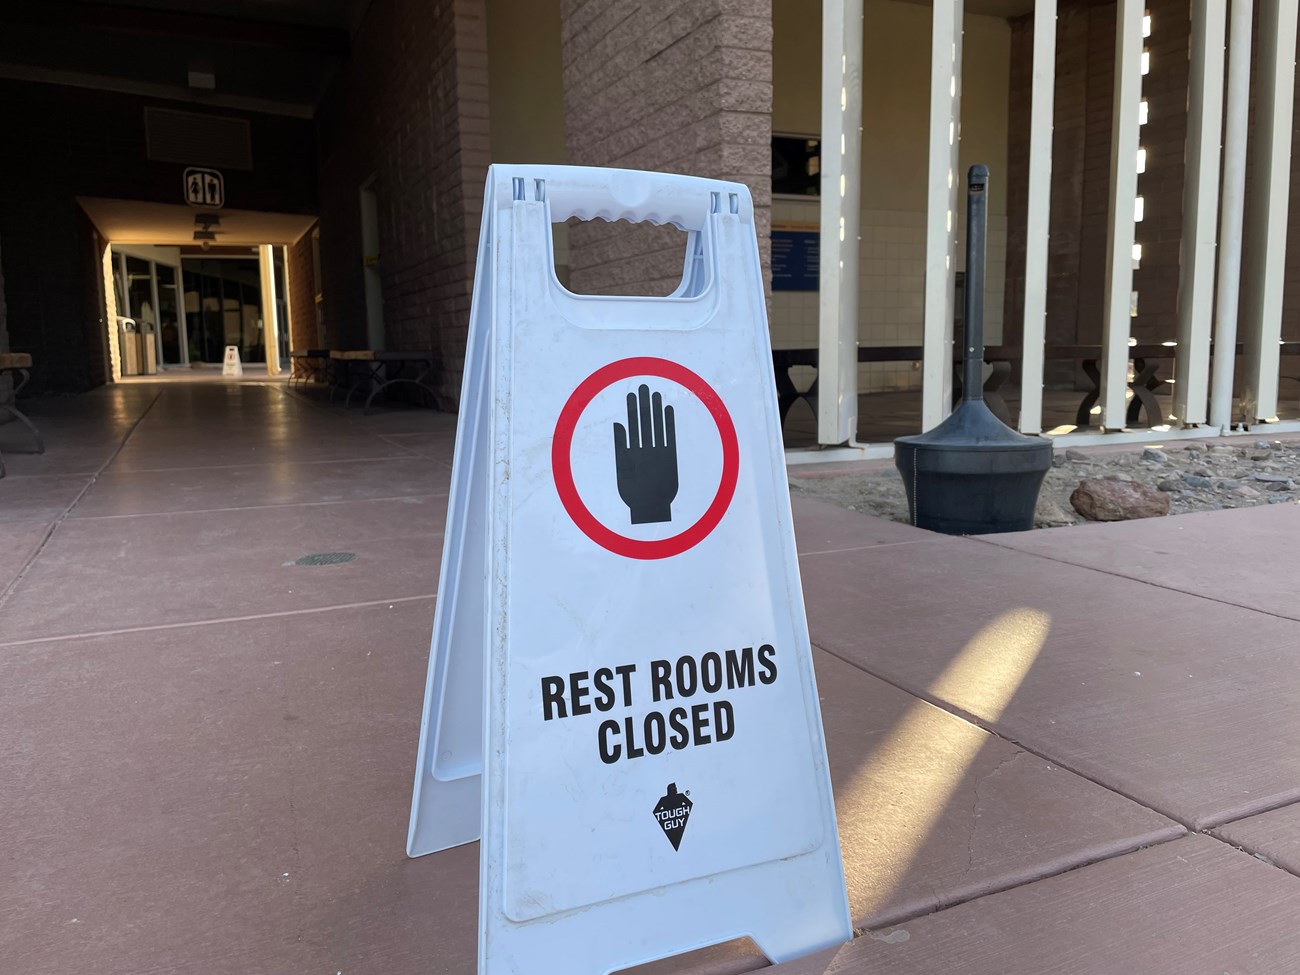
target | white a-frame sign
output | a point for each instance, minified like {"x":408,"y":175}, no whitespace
{"x":621,"y":700}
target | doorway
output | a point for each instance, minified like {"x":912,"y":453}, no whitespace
{"x":223,"y":307}
{"x":150,"y":330}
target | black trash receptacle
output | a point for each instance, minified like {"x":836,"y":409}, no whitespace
{"x":972,"y":474}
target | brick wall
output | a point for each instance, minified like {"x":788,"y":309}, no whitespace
{"x":680,"y":86}
{"x":61,"y":143}
{"x":4,"y":325}
{"x":302,"y":294}
{"x":410,"y":110}
{"x":1164,"y":137}
{"x":1079,"y":228}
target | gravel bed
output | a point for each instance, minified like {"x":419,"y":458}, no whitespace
{"x":1198,"y":476}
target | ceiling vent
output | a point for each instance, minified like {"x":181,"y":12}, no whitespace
{"x":206,"y":140}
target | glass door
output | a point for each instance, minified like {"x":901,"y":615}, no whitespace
{"x":140,"y":357}
{"x":173,"y":349}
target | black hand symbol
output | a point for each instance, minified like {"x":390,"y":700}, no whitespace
{"x":645,"y":458}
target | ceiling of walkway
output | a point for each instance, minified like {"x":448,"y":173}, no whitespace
{"x":134,"y":222}
{"x":260,"y":55}
{"x":269,"y":55}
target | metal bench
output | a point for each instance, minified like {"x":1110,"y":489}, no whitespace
{"x":21,"y":364}
{"x":377,"y":370}
{"x":309,"y":366}
{"x":788,"y":393}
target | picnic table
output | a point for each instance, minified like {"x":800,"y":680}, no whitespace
{"x":378,"y":370}
{"x":21,"y":364}
{"x":783,"y":360}
{"x":1146,"y":382}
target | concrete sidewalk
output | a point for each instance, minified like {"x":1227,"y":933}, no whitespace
{"x":1069,"y":751}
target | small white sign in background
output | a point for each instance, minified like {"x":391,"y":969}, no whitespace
{"x":621,"y":701}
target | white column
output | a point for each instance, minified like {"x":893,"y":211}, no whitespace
{"x":1123,"y":191}
{"x":287,"y":284}
{"x":1037,"y":216}
{"x":1200,"y":196}
{"x":841,"y":216}
{"x":1270,"y":199}
{"x":941,"y":211}
{"x":270,"y":320}
{"x":1233,"y":208}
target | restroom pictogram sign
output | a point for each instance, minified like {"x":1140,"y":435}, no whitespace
{"x":645,"y":458}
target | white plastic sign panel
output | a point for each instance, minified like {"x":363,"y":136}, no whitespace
{"x":621,"y":699}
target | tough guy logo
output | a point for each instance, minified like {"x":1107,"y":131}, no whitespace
{"x":671,"y":812}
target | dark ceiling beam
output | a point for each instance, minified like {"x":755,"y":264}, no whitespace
{"x":149,"y":21}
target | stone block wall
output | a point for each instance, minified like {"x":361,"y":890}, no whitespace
{"x":681,"y":86}
{"x":409,"y":111}
{"x":302,"y":295}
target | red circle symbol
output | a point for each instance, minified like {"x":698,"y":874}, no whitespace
{"x":562,"y":467}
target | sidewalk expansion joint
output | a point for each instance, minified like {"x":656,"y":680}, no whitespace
{"x":1047,"y":874}
{"x":1261,"y":857}
{"x":215,"y":622}
{"x":859,"y":548}
{"x":54,"y":526}
{"x":259,"y":507}
{"x":1133,"y":579}
{"x":978,"y":722}
{"x":269,"y":463}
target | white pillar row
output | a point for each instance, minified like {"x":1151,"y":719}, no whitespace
{"x":1270,"y":200}
{"x":1116,"y":325}
{"x":841,"y":217}
{"x":1200,"y":198}
{"x":944,"y":181}
{"x":1232,"y":211}
{"x":1037,"y":215}
{"x":270,"y":318}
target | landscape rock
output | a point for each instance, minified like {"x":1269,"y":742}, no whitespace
{"x":1192,"y":479}
{"x":1103,"y":500}
{"x":1157,"y":456}
{"x":1049,"y":514}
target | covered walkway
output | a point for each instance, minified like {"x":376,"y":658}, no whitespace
{"x":1047,"y":756}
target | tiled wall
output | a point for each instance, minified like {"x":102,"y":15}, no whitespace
{"x":891,"y":290}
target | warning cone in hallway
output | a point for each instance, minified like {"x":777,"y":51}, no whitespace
{"x":232,"y":366}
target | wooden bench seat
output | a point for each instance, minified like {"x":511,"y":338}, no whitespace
{"x":20,"y":363}
{"x":377,"y":369}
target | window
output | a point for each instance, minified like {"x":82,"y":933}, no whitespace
{"x":796,"y":165}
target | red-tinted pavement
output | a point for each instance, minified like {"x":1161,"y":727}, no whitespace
{"x":1047,"y":750}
